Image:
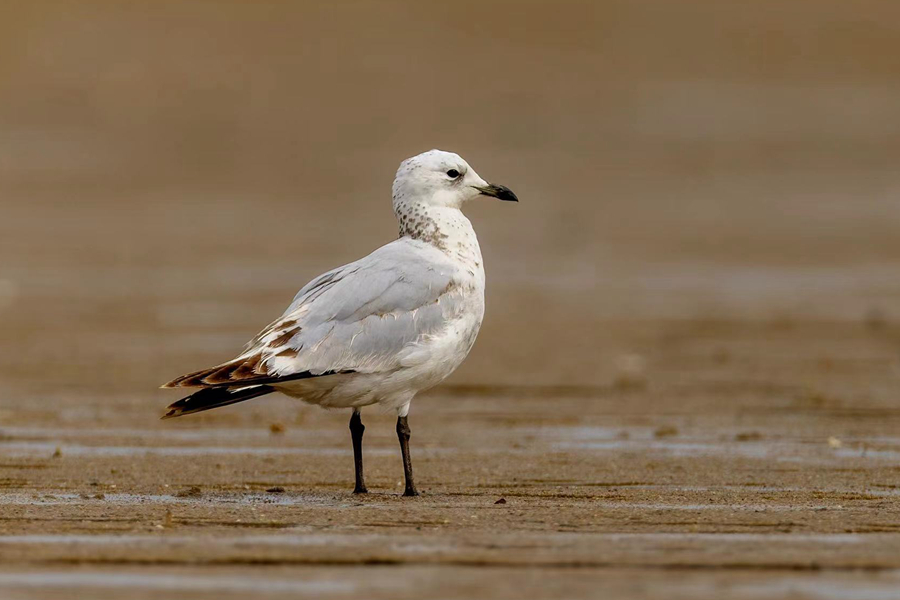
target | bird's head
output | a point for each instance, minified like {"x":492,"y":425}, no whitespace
{"x":442,"y":179}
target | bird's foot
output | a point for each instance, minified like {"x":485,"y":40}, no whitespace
{"x":410,"y":492}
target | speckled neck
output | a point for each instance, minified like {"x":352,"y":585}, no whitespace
{"x":445,"y":228}
{"x":417,"y":223}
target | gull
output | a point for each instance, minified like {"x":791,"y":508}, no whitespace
{"x":379,"y":330}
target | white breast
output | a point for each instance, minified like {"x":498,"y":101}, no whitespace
{"x":433,"y":359}
{"x":452,"y":247}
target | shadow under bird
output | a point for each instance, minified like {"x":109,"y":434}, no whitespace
{"x":378,"y":330}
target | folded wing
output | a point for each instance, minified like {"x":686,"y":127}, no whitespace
{"x":363,"y":317}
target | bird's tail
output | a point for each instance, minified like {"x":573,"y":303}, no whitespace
{"x":208,"y":398}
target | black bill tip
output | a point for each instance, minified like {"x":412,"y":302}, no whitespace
{"x":501,"y":192}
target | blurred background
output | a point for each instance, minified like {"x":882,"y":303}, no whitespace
{"x":691,"y":349}
{"x":172,"y":172}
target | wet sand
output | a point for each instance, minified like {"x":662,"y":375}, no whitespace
{"x":687,"y":381}
{"x":695,"y":481}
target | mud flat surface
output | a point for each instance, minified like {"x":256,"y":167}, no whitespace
{"x":694,"y":481}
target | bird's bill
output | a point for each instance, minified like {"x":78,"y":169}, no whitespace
{"x":501,"y":192}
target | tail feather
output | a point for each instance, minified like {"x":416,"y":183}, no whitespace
{"x":246,"y":370}
{"x":208,"y":398}
{"x":241,"y":373}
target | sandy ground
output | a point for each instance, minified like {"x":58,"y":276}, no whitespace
{"x":687,"y":381}
{"x":716,"y":472}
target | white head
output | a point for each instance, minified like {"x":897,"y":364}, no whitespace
{"x":442,"y":179}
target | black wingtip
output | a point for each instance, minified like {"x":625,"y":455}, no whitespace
{"x":209,"y":398}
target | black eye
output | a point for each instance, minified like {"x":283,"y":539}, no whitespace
{"x":452,"y":173}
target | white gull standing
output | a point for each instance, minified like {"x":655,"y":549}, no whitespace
{"x":378,"y":330}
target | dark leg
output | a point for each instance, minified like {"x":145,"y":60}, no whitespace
{"x":356,"y":432}
{"x":403,"y":434}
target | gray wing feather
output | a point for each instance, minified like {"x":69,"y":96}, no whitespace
{"x":361,"y":317}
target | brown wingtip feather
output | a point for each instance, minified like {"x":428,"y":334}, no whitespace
{"x":234,"y":372}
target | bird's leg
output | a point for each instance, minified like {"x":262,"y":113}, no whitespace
{"x":403,"y":434}
{"x":356,"y":432}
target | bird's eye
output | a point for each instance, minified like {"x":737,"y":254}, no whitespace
{"x":452,"y":173}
